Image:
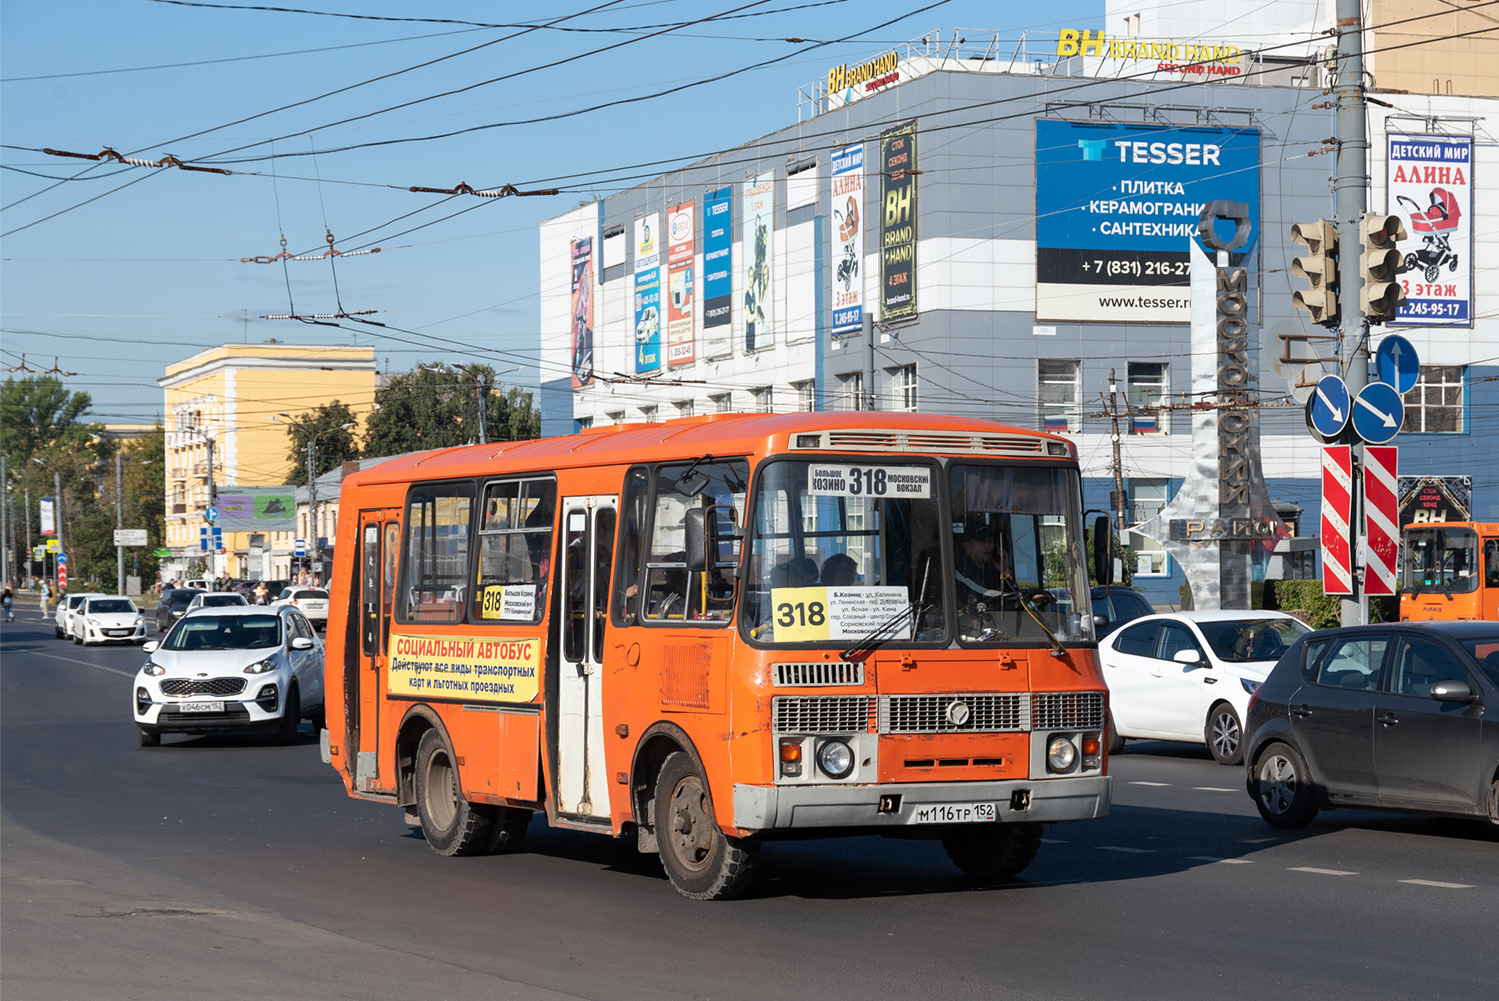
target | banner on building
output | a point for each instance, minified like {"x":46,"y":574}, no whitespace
{"x":758,"y":248}
{"x":582,"y":321}
{"x":1429,"y":184}
{"x":718,"y":272}
{"x":898,"y":223}
{"x":648,"y":293}
{"x":49,"y":518}
{"x":681,"y":230}
{"x":1117,"y":207}
{"x":1435,"y":498}
{"x":848,"y":240}
{"x":257,"y":509}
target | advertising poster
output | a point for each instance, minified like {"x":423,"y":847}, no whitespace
{"x":582,"y":334}
{"x":257,"y":509}
{"x":1429,"y":184}
{"x":49,"y":519}
{"x":759,"y":231}
{"x":1116,"y":206}
{"x":898,"y":223}
{"x":647,"y":293}
{"x":718,"y":271}
{"x":848,"y":240}
{"x":681,"y":229}
{"x":463,"y":667}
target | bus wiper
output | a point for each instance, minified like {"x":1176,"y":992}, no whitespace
{"x":883,"y":632}
{"x":1057,"y":650}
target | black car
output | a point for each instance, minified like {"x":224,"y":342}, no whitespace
{"x":1118,"y":604}
{"x":1383,"y":717}
{"x":173,"y":603}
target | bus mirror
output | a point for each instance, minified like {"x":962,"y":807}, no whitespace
{"x":702,"y":540}
{"x":1103,"y":551}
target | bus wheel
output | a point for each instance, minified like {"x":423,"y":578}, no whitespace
{"x":700,"y":860}
{"x":451,"y":824}
{"x":992,"y":850}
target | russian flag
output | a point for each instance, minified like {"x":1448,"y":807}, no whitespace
{"x":1056,"y":425}
{"x":1145,"y":425}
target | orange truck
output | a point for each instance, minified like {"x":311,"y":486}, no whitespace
{"x":1450,"y":570}
{"x":709,"y":633}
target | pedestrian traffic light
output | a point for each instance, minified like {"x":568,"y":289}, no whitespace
{"x":1382,"y":294}
{"x":1320,"y":268}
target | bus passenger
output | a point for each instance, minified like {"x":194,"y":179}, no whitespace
{"x":840,"y":570}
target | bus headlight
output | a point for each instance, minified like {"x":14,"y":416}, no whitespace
{"x":1061,"y":754}
{"x":835,"y":758}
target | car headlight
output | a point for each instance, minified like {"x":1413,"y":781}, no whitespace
{"x":1061,"y":753}
{"x":262,"y":666}
{"x":1249,"y":686}
{"x":92,"y":622}
{"x":154,"y":669}
{"x":835,"y":758}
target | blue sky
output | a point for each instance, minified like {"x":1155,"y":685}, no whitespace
{"x":120,"y":287}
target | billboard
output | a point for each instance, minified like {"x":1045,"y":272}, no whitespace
{"x":257,"y":509}
{"x":1429,"y":184}
{"x":648,"y":293}
{"x":759,"y":222}
{"x":49,"y":519}
{"x":848,"y":240}
{"x":898,"y":222}
{"x":582,"y":321}
{"x":718,"y":271}
{"x":1116,"y":206}
{"x":681,"y":228}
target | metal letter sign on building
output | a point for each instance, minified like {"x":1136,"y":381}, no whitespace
{"x":1116,"y":204}
{"x":1381,"y":508}
{"x":1337,"y":511}
{"x":898,"y":223}
{"x":1430,"y":186}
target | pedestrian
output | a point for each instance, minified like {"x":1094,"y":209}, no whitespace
{"x":6,"y":599}
{"x":260,"y":593}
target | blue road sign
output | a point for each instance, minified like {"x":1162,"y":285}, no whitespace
{"x":299,"y":547}
{"x":203,"y":539}
{"x":1327,"y":410}
{"x":62,"y":559}
{"x":212,"y":514}
{"x":1378,"y":413}
{"x":1396,"y":363}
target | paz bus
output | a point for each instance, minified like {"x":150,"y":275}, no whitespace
{"x":709,"y":633}
{"x":1450,"y":570}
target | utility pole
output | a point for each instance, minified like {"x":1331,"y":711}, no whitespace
{"x":7,"y":523}
{"x":1121,"y":518}
{"x":57,"y":492}
{"x":483,"y":412}
{"x":317,"y":554}
{"x":27,"y":519}
{"x":119,"y":524}
{"x":1351,"y":194}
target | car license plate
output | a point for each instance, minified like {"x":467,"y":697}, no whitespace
{"x":119,"y":632}
{"x":203,"y":707}
{"x":954,"y":813}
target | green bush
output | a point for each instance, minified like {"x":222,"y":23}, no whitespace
{"x":1318,"y":609}
{"x":1184,"y":591}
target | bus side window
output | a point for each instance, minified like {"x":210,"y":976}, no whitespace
{"x":514,"y":555}
{"x":434,"y":572}
{"x":625,"y":602}
{"x":672,"y":593}
{"x":1491,"y":562}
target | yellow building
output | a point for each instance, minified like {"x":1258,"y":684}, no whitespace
{"x":1456,"y":52}
{"x":221,"y":421}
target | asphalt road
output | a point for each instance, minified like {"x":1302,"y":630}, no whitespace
{"x":224,"y":867}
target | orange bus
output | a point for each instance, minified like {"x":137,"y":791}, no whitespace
{"x":711,"y":632}
{"x":1450,"y":570}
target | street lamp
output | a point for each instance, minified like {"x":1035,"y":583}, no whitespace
{"x":481,"y":384}
{"x":57,"y":512}
{"x":312,"y":502}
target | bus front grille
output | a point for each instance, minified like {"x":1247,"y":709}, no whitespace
{"x":817,"y":674}
{"x":1067,"y":710}
{"x":965,"y":713}
{"x":956,"y":712}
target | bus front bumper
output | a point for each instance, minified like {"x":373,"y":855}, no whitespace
{"x":1035,"y":801}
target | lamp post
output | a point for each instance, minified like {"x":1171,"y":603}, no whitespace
{"x":312,"y":501}
{"x":213,"y":495}
{"x":57,"y":509}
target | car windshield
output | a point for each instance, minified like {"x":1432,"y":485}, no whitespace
{"x":301,"y":595}
{"x":1485,"y":650}
{"x":75,"y":601}
{"x":219,"y":600}
{"x":181,"y":597}
{"x":200,"y":631}
{"x":1440,"y":560}
{"x":104,"y":606}
{"x":1240,"y":640}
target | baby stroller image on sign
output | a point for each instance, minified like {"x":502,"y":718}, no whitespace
{"x":1435,"y":223}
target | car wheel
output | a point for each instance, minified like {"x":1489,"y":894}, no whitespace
{"x":77,"y":640}
{"x":1224,"y":735}
{"x":1283,"y":788}
{"x":1494,"y":803}
{"x":58,"y":630}
{"x":1116,"y":742}
{"x":149,"y":738}
{"x":291,"y":716}
{"x":701,"y":861}
{"x":451,"y":824}
{"x":990,"y":851}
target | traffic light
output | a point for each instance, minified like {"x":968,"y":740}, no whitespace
{"x":1320,"y":267}
{"x":1380,"y":264}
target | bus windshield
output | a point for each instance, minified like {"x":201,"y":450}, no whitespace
{"x":1441,"y":559}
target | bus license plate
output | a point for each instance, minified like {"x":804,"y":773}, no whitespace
{"x":203,"y":707}
{"x":955,"y":813}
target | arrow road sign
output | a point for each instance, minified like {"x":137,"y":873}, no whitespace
{"x":212,"y":514}
{"x":1327,"y":411}
{"x":1396,"y":363}
{"x":1337,"y":511}
{"x":1378,"y":413}
{"x":1381,"y":509}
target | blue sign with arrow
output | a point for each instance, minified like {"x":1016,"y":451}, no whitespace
{"x":1396,"y":363}
{"x":1328,"y":409}
{"x":1378,"y":413}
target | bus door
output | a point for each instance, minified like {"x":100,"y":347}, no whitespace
{"x":379,"y":544}
{"x":587,"y":556}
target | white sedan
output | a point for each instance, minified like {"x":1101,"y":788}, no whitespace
{"x":66,"y":606}
{"x":231,"y":669}
{"x":1189,"y":676}
{"x":108,"y":619}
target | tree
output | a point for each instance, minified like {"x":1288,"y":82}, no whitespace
{"x":38,"y":412}
{"x":334,"y":442}
{"x":433,"y":406}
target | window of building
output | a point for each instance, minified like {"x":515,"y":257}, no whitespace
{"x":1148,"y":390}
{"x":1132,"y":25}
{"x":1147,"y":496}
{"x":903,"y":389}
{"x":684,"y":408}
{"x":649,"y":414}
{"x":1059,"y":393}
{"x":582,"y":424}
{"x":765,"y":399}
{"x":851,"y":391}
{"x":1435,"y":404}
{"x":615,"y":416}
{"x":806,"y":395}
{"x":723,"y":403}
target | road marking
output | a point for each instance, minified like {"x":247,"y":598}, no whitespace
{"x":1052,"y":841}
{"x":1322,"y":872}
{"x":1225,"y":861}
{"x":1213,"y":789}
{"x":1159,"y":784}
{"x":1442,"y":886}
{"x":98,"y":667}
{"x":1128,"y":851}
{"x":1256,"y":841}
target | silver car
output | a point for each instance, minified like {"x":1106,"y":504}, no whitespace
{"x":231,"y":669}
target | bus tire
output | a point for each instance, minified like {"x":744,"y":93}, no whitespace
{"x":507,"y":829}
{"x":701,"y":861}
{"x":989,"y":851}
{"x":451,"y":824}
